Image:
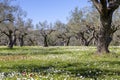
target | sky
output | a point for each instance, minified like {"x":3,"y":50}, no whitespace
{"x":50,"y":10}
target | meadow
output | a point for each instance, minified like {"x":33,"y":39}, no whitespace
{"x":58,"y":63}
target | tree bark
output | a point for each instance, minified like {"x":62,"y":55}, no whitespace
{"x":21,"y":41}
{"x":45,"y":41}
{"x":12,"y":40}
{"x":68,"y":41}
{"x":104,"y":34}
{"x":10,"y":45}
{"x":106,"y":9}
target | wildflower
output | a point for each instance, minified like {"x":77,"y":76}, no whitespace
{"x":31,"y":78}
{"x":24,"y":78}
{"x":24,"y":73}
{"x":78,"y":74}
{"x":81,"y":76}
{"x":30,"y":75}
{"x":18,"y":78}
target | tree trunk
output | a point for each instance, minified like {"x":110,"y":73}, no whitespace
{"x":104,"y":34}
{"x":10,"y":45}
{"x":45,"y":41}
{"x":21,"y":41}
{"x":12,"y":40}
{"x":86,"y":43}
{"x":68,"y":41}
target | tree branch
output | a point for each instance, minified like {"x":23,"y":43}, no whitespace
{"x":5,"y":33}
{"x":97,"y":4}
{"x":103,"y":4}
{"x":5,"y":20}
{"x":113,"y":5}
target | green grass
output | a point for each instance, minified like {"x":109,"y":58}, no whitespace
{"x":59,"y":63}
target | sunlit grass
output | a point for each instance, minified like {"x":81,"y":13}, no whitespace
{"x":59,"y":63}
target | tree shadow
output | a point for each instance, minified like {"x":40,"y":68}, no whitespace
{"x":76,"y":69}
{"x":33,"y":51}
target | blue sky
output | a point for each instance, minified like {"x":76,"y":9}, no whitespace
{"x":50,"y":10}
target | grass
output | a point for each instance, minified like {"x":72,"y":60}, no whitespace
{"x":59,"y":63}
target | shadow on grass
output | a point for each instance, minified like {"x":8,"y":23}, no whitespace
{"x":32,"y":51}
{"x":76,"y":69}
{"x":94,"y":72}
{"x":27,"y":68}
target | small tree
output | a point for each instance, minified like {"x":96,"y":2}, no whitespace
{"x":81,"y":23}
{"x":23,"y":29}
{"x":45,"y":30}
{"x":65,"y":36}
{"x":8,"y":15}
{"x":10,"y":32}
{"x":86,"y":35}
{"x":63,"y":33}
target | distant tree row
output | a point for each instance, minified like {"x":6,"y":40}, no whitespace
{"x":80,"y":30}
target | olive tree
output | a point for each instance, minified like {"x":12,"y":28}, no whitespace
{"x":23,"y":29}
{"x":45,"y":30}
{"x":81,"y":23}
{"x":106,"y":9}
{"x":63,"y":33}
{"x":7,"y":12}
{"x":10,"y":31}
{"x":8,"y":16}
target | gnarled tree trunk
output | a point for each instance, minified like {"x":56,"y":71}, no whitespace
{"x":104,"y":34}
{"x":45,"y":41}
{"x":12,"y":40}
{"x":21,"y":41}
{"x":68,"y":41}
{"x":106,"y":9}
